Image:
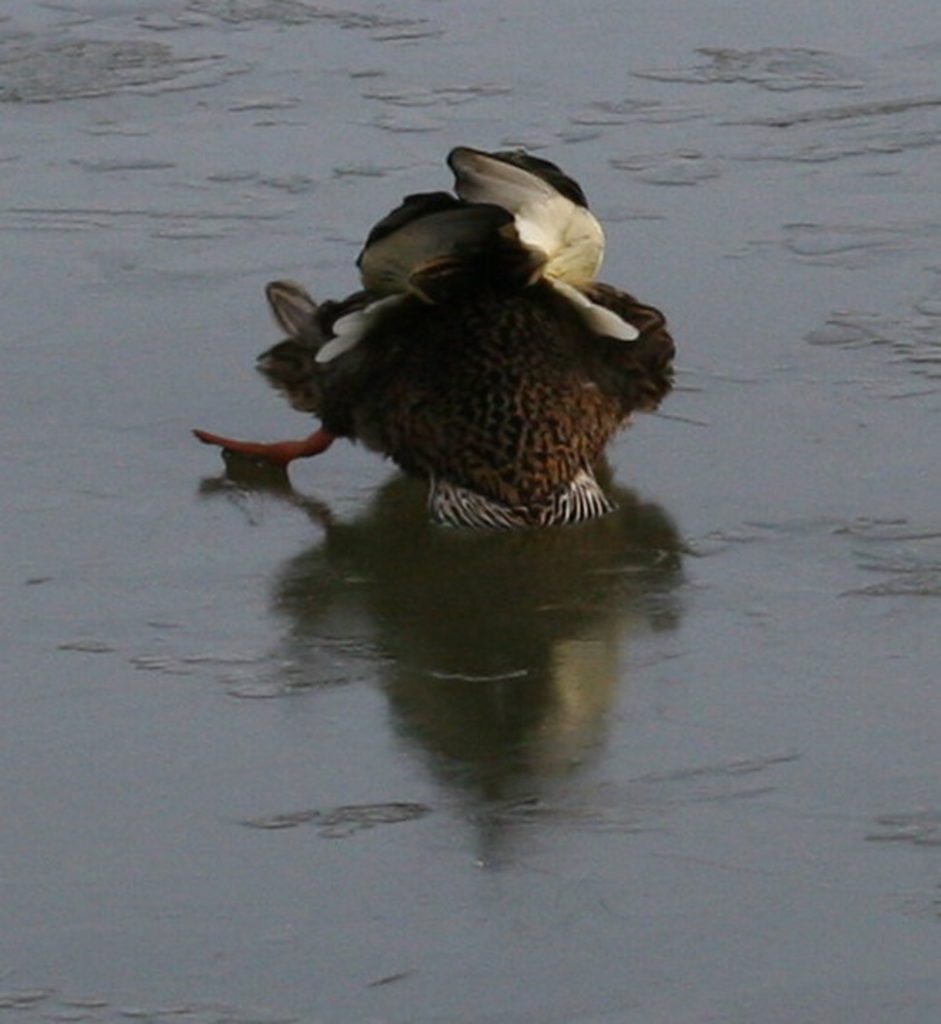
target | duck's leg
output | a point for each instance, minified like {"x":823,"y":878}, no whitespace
{"x":279,"y":453}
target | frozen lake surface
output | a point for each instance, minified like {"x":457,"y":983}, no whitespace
{"x":276,"y":754}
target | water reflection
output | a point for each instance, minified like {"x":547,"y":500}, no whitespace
{"x":499,"y":652}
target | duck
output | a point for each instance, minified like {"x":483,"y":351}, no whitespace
{"x":462,"y":359}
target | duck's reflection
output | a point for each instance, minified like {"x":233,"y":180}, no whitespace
{"x":500,"y":651}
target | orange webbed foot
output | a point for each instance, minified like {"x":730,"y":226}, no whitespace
{"x":278,"y":453}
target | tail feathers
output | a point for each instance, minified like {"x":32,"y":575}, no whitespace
{"x":581,"y":499}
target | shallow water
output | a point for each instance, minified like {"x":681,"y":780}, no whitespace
{"x":293,"y":754}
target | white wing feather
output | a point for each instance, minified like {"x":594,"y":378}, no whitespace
{"x":600,"y":320}
{"x":351,"y":329}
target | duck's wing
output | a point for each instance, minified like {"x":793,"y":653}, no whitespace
{"x":432,"y":247}
{"x":434,"y":242}
{"x":597,"y":317}
{"x":649,"y":322}
{"x":349,"y":329}
{"x":549,"y":208}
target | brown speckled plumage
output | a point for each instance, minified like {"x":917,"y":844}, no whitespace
{"x":506,"y":393}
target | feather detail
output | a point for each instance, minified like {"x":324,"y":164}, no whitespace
{"x":547,"y":219}
{"x":569,"y":235}
{"x":597,"y":318}
{"x":582,"y":498}
{"x":350,"y":329}
{"x":428,"y":229}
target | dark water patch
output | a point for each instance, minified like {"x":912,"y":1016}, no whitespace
{"x":223,"y":667}
{"x":299,"y":12}
{"x":921,"y":828}
{"x":53,"y":1005}
{"x":407,"y":123}
{"x":389,"y":979}
{"x":845,"y":330}
{"x":220,"y":659}
{"x":121,"y":130}
{"x":899,"y":561}
{"x":282,"y":12}
{"x":630,"y":111}
{"x":35,"y":70}
{"x":338,"y":663}
{"x":188,"y":234}
{"x":265,"y":103}
{"x":637,"y":805}
{"x":724,"y":769}
{"x":777,"y":69}
{"x":856,"y":246}
{"x":84,"y":1002}
{"x":96,"y":218}
{"x":344,"y":821}
{"x":409,"y":34}
{"x":110,"y":166}
{"x":915,"y":583}
{"x":233,"y":177}
{"x":684,"y":167}
{"x":543,"y":814}
{"x":909,"y":556}
{"x":573,"y":136}
{"x":257,"y":691}
{"x":912,"y":340}
{"x":905,"y":557}
{"x":22,"y":1000}
{"x":849,"y":112}
{"x":888,"y":530}
{"x":451,"y":96}
{"x":633,"y":807}
{"x":166,"y":666}
{"x":87,"y":646}
{"x":172,"y":22}
{"x":831,"y":148}
{"x":364,"y":170}
{"x":911,"y":576}
{"x":873,"y":129}
{"x":691,"y":421}
{"x":755,"y":531}
{"x":293,"y":184}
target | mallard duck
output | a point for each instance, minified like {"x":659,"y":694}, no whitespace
{"x":465,"y":363}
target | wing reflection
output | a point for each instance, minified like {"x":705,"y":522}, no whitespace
{"x":499,"y":652}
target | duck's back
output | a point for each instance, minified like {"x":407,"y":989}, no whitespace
{"x":493,"y":392}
